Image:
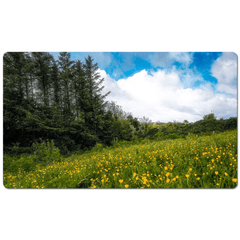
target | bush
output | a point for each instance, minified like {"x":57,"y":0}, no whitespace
{"x":46,"y":152}
{"x":13,"y":165}
{"x":17,"y":150}
{"x":65,"y":144}
{"x":98,"y":148}
{"x":145,"y":141}
{"x":8,"y":161}
{"x":172,"y":136}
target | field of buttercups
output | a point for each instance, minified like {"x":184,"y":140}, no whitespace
{"x":193,"y":162}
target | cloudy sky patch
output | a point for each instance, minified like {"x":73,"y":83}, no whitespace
{"x":170,"y":86}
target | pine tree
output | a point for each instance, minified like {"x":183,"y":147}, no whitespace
{"x":66,"y":77}
{"x":16,"y":73}
{"x":31,"y":79}
{"x":61,"y":100}
{"x":42,"y":62}
{"x":96,"y":102}
{"x":80,"y":89}
{"x":17,"y":90}
{"x":55,"y":84}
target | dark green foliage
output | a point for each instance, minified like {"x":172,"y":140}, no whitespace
{"x":80,"y":90}
{"x":56,"y":86}
{"x":42,"y":70}
{"x":95,"y":102}
{"x":230,"y":123}
{"x":202,"y":127}
{"x":209,"y":117}
{"x":44,"y":99}
{"x":45,"y":152}
{"x":98,"y":148}
{"x":135,"y":123}
{"x":66,"y":79}
{"x":14,"y":164}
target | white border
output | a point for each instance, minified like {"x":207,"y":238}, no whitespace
{"x":119,"y":26}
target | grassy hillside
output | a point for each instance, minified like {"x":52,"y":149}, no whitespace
{"x":194,"y":162}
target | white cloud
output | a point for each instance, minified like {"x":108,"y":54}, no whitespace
{"x":165,"y":59}
{"x":161,"y":96}
{"x":224,"y":69}
{"x":182,"y":57}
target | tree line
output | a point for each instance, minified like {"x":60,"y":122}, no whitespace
{"x":62,"y":100}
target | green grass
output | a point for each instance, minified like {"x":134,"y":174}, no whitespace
{"x":194,"y":162}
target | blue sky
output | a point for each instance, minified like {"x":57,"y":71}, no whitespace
{"x":125,"y":64}
{"x":168,"y":86}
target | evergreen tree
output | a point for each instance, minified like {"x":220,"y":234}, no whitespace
{"x":15,"y":76}
{"x":31,"y":78}
{"x":80,"y":90}
{"x":42,"y":62}
{"x":17,"y":70}
{"x":96,"y":102}
{"x":66,"y":78}
{"x":56,"y":86}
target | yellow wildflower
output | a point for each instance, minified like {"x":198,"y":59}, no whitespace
{"x":167,"y":174}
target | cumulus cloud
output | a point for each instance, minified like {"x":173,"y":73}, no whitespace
{"x":224,"y":69}
{"x":161,"y":96}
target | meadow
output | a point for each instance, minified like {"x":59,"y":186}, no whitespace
{"x":191,"y":162}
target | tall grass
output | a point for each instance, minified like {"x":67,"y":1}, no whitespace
{"x":193,"y":162}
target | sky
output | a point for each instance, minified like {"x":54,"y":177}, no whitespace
{"x":169,"y":86}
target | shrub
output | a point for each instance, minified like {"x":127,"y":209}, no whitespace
{"x":17,"y":150}
{"x":172,"y":136}
{"x":24,"y":163}
{"x":46,"y":152}
{"x":145,"y":141}
{"x":97,"y":148}
{"x":8,"y":161}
